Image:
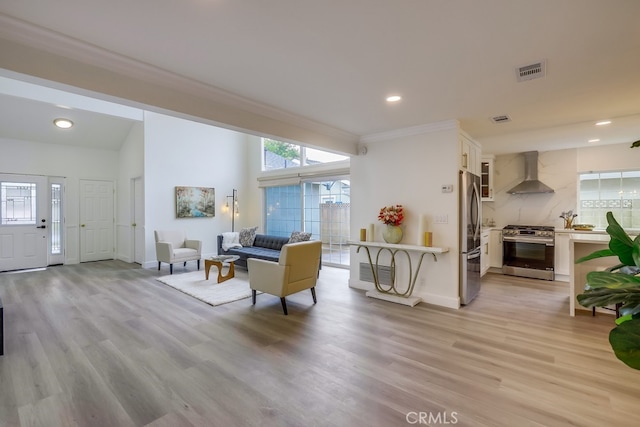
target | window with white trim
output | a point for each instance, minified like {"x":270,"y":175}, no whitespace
{"x":618,"y":192}
{"x":285,"y":155}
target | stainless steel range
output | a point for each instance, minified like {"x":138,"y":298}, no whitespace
{"x":529,"y":251}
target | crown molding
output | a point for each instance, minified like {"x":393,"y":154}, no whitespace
{"x":59,"y":44}
{"x":411,"y":131}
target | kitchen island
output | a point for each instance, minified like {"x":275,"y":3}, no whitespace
{"x":583,"y":244}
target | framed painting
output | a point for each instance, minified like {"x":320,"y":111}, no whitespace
{"x":195,"y":202}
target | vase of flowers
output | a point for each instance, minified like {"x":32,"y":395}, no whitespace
{"x":392,"y":216}
{"x":568,"y":218}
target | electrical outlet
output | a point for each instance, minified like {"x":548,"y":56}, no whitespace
{"x":447,"y":188}
{"x":441,"y":219}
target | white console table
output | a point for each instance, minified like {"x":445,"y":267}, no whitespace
{"x":392,"y":293}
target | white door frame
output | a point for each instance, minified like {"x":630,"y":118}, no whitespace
{"x":137,"y":224}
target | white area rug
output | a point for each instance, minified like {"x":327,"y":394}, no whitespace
{"x":210,"y":291}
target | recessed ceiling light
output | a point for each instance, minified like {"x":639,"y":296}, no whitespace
{"x":394,"y":98}
{"x":594,"y":140}
{"x":63,"y":123}
{"x":603,"y":123}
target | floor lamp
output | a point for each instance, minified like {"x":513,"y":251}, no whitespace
{"x":234,"y":211}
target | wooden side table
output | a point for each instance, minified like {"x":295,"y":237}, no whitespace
{"x":219,"y":261}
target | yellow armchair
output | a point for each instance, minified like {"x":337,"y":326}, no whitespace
{"x":296,"y":270}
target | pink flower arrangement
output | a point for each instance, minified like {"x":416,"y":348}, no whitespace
{"x":392,"y":215}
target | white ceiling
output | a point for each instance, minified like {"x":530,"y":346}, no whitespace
{"x":335,"y":61}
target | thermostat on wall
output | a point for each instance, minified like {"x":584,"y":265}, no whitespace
{"x":447,"y":188}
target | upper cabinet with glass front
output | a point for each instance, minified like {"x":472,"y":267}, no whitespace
{"x":486,"y":178}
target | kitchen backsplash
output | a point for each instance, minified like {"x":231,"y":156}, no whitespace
{"x":557,"y":169}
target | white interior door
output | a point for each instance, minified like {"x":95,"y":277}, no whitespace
{"x":23,"y":222}
{"x":138,"y":221}
{"x":96,"y":220}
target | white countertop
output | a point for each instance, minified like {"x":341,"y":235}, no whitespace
{"x":590,"y":238}
{"x":571,"y":231}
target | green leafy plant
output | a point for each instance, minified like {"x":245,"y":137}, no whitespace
{"x":619,"y":284}
{"x":284,"y":149}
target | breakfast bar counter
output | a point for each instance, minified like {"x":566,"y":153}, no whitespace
{"x":580,"y":245}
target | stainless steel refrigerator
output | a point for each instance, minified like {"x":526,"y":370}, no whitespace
{"x":470,"y":230}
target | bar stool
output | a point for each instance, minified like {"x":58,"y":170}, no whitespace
{"x":617,"y":309}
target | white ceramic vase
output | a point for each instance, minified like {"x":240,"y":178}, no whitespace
{"x":392,"y":233}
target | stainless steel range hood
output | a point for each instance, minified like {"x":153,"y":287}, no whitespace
{"x":531,"y":184}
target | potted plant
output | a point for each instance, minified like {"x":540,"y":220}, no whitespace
{"x":619,"y":284}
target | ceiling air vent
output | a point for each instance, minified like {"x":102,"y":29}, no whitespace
{"x":500,"y":119}
{"x":531,"y":71}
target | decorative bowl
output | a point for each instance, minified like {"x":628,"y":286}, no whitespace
{"x":583,"y":227}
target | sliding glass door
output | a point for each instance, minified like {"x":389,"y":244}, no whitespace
{"x":321,"y":207}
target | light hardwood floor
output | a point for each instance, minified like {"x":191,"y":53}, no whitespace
{"x":105,"y":344}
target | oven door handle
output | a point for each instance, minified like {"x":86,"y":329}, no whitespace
{"x":526,"y":240}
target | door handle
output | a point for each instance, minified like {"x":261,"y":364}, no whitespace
{"x":81,"y":225}
{"x":41,"y":226}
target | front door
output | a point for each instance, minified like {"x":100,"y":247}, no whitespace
{"x":23,"y":222}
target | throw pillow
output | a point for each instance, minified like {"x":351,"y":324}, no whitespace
{"x":248,"y":236}
{"x":299,"y":236}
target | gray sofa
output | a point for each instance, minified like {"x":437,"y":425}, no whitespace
{"x":264,"y":247}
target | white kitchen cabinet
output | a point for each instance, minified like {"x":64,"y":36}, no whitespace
{"x":484,"y":252}
{"x":495,"y":248}
{"x":469,"y":155}
{"x":486,"y":178}
{"x":562,"y":257}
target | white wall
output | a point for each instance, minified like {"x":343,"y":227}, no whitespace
{"x":179,"y":152}
{"x":410,"y":171}
{"x":73,"y":163}
{"x":559,"y":170}
{"x":252,"y":197}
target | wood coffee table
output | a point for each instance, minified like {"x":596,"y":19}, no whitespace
{"x":219,"y":261}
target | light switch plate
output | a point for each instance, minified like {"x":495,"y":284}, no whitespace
{"x":447,"y":188}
